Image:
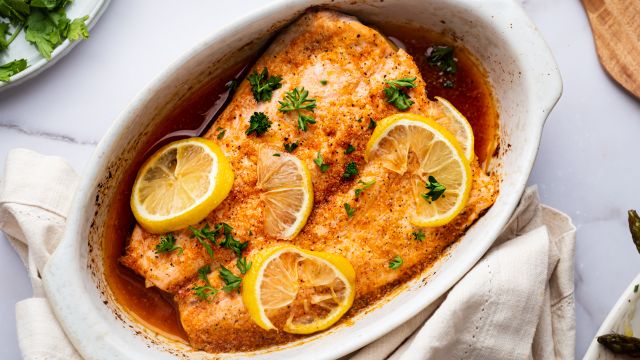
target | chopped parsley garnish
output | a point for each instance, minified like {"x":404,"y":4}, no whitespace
{"x":263,"y":85}
{"x":395,"y":263}
{"x":365,"y":186}
{"x":290,"y":147}
{"x":418,"y":235}
{"x":349,"y":149}
{"x":229,"y":241}
{"x":297,"y":100}
{"x":167,"y":244}
{"x":372,"y":124}
{"x":320,"y":162}
{"x":350,"y":171}
{"x":205,"y":237}
{"x":442,"y":58}
{"x":436,"y":190}
{"x":395,"y":92}
{"x":324,"y":82}
{"x":206,"y":290}
{"x":221,"y":133}
{"x":259,"y":123}
{"x":276,"y":154}
{"x":242,"y":265}
{"x":232,"y":282}
{"x":350,"y":211}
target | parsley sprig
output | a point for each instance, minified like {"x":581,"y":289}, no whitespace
{"x":396,"y":94}
{"x":350,"y":148}
{"x":365,"y":186}
{"x":395,"y":263}
{"x":263,"y":85}
{"x":204,"y":292}
{"x":418,"y":235}
{"x":290,"y":147}
{"x":436,"y":190}
{"x":167,"y":244}
{"x":350,"y":171}
{"x":320,"y":162}
{"x":297,"y":100}
{"x":259,"y":123}
{"x":231,"y":281}
{"x":349,"y":210}
{"x":205,"y":236}
{"x":443,"y":58}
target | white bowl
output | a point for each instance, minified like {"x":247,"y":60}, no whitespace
{"x":521,"y":70}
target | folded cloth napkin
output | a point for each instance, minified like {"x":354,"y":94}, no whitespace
{"x":516,"y":303}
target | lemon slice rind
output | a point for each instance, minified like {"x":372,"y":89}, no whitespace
{"x":252,"y":295}
{"x":220,"y":179}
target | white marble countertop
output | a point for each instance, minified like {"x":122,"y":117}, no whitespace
{"x":587,"y":165}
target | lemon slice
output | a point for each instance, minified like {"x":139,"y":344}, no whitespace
{"x":415,"y":146}
{"x":287,"y":192}
{"x":180,"y":185}
{"x":296,"y":290}
{"x":457,"y":125}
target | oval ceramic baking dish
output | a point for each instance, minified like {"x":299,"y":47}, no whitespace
{"x":524,"y":77}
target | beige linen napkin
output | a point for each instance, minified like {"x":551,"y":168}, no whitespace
{"x":516,"y":303}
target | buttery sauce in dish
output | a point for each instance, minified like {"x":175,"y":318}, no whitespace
{"x":177,"y":312}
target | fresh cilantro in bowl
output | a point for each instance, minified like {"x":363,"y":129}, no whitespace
{"x":45,"y":25}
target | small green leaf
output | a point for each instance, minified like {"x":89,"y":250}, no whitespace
{"x":11,"y":68}
{"x":395,"y":263}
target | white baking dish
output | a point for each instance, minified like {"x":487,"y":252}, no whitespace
{"x":521,"y":70}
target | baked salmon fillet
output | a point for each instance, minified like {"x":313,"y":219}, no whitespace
{"x":343,"y":64}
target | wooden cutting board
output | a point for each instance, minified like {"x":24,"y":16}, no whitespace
{"x":616,"y":30}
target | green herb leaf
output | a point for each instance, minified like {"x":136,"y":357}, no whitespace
{"x":263,"y":85}
{"x":78,"y":29}
{"x":46,"y":30}
{"x":395,"y":263}
{"x":320,"y":162}
{"x":350,"y":171}
{"x":206,"y":237}
{"x":242,"y":265}
{"x":276,"y":154}
{"x":396,"y":95}
{"x":259,"y":123}
{"x":365,"y":186}
{"x":304,"y":120}
{"x":229,"y":241}
{"x":298,"y":100}
{"x":167,"y":244}
{"x":349,"y":149}
{"x":11,"y":68}
{"x":442,"y":57}
{"x":436,"y":190}
{"x":204,"y":291}
{"x":220,"y":133}
{"x":232,"y":282}
{"x":418,"y":235}
{"x":372,"y":124}
{"x":323,"y":82}
{"x":350,"y":211}
{"x":290,"y":147}
{"x":404,"y":82}
{"x":16,"y":10}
